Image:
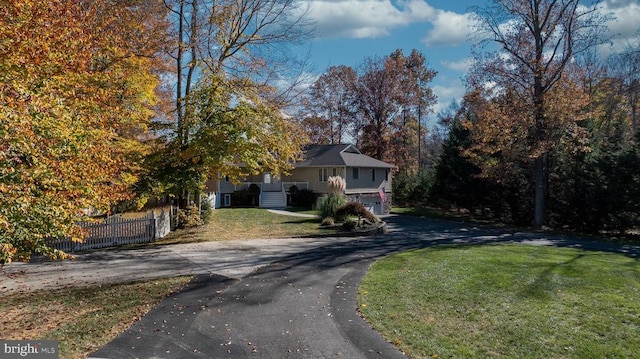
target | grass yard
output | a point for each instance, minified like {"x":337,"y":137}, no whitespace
{"x":510,"y":301}
{"x":247,"y":223}
{"x":85,"y":319}
{"x":81,"y":319}
{"x":437,"y":213}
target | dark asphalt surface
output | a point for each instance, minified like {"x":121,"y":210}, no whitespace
{"x":303,"y":305}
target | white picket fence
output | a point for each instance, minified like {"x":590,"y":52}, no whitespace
{"x":115,"y":231}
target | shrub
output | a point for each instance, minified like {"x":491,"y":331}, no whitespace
{"x":327,"y":222}
{"x":350,"y":224}
{"x":336,"y":184}
{"x":254,"y":189}
{"x":206,"y":210}
{"x":329,"y":204}
{"x":189,"y":217}
{"x":244,"y":198}
{"x":354,"y":209}
{"x":303,"y":198}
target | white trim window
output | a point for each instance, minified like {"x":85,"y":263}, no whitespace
{"x":323,"y":174}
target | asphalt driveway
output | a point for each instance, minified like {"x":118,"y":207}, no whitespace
{"x":288,"y":298}
{"x":302,"y":305}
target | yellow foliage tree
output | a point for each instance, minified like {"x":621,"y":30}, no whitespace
{"x":75,"y":94}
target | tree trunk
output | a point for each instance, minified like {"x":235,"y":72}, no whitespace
{"x":540,"y":210}
{"x":540,"y":166}
{"x":179,"y":95}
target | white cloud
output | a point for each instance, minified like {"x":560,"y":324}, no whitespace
{"x":377,"y":18}
{"x":365,"y":18}
{"x":614,"y":4}
{"x":625,"y":26}
{"x":447,"y":91}
{"x":452,"y":90}
{"x":449,"y":28}
{"x":461,"y":65}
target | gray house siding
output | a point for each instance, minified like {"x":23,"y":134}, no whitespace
{"x":368,"y":180}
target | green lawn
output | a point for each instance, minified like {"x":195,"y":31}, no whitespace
{"x":510,"y":301}
{"x":438,"y":213}
{"x":247,"y":223}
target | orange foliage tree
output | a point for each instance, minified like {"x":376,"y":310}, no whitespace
{"x":391,"y":93}
{"x":76,"y":93}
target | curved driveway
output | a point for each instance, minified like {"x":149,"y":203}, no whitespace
{"x":303,"y":305}
{"x":291,"y":298}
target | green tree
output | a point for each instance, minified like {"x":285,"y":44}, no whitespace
{"x":595,"y":183}
{"x":233,"y":131}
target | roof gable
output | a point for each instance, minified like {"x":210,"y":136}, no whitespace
{"x":340,"y":155}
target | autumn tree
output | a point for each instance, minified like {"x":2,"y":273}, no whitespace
{"x":330,"y":107}
{"x":537,"y":39}
{"x":391,"y":92}
{"x":238,"y":39}
{"x":237,"y":46}
{"x":230,"y":128}
{"x":317,"y":129}
{"x":623,"y":73}
{"x":76,"y":92}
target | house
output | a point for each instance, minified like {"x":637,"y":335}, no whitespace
{"x":368,"y":179}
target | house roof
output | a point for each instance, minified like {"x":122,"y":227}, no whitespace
{"x":338,"y":155}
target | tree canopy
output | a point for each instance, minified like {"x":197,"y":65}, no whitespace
{"x":378,"y":106}
{"x":532,"y":70}
{"x":228,"y":116}
{"x":76,"y":94}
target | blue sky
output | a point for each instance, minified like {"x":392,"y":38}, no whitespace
{"x":348,"y":31}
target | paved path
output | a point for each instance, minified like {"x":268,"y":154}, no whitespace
{"x":293,"y":214}
{"x":233,"y":259}
{"x":291,"y":298}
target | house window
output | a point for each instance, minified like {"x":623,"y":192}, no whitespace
{"x":323,"y":174}
{"x":386,"y":175}
{"x":335,"y":172}
{"x":356,"y":173}
{"x":267,"y":178}
{"x":226,"y":178}
{"x":373,"y":174}
{"x":227,"y":200}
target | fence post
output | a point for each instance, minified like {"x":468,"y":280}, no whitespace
{"x":114,"y":232}
{"x":154,"y":226}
